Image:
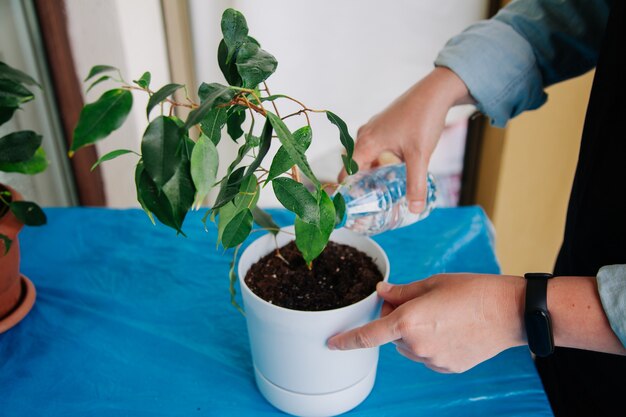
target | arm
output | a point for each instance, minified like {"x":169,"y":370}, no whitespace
{"x":502,"y":64}
{"x":534,"y":43}
{"x":453,"y":322}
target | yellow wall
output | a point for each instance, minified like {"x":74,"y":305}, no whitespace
{"x":526,"y":174}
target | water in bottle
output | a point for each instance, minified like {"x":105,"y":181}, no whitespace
{"x":376,"y":200}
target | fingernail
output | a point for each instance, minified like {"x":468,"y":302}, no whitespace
{"x":383,"y":286}
{"x":331,"y":345}
{"x":416,"y":207}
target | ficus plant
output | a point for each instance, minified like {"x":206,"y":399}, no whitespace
{"x":20,"y":151}
{"x":174,"y":173}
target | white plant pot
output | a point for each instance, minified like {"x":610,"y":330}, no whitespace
{"x":294,"y":369}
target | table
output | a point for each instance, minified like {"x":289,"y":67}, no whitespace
{"x":131,"y":320}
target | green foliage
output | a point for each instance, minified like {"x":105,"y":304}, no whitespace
{"x":175,"y":174}
{"x":38,"y":163}
{"x":163,"y":93}
{"x":111,"y":155}
{"x":19,"y":146}
{"x":28,"y":213}
{"x":20,"y":152}
{"x":282,"y":162}
{"x":340,"y":208}
{"x":296,"y":198}
{"x":99,"y":69}
{"x":144,"y":80}
{"x":346,"y":140}
{"x":99,"y":119}
{"x":204,"y":164}
{"x":312,"y":237}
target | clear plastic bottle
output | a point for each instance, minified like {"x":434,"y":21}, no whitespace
{"x":376,"y":200}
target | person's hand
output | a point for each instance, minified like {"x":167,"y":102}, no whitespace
{"x":449,"y":322}
{"x":410,"y":128}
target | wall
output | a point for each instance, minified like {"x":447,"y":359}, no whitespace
{"x":129,"y":35}
{"x":526,"y":175}
{"x":352,"y":57}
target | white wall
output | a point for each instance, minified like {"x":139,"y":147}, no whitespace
{"x":130,"y":36}
{"x":352,"y":57}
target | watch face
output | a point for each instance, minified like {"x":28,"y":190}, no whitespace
{"x":539,"y":332}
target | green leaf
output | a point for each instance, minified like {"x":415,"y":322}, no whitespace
{"x":13,"y":94}
{"x":229,"y":69}
{"x":144,"y":81}
{"x":160,"y":149}
{"x":38,"y":163}
{"x":254,"y":64}
{"x":98,"y":81}
{"x":241,"y":153}
{"x":350,"y":165}
{"x":290,"y":145}
{"x":180,"y":191}
{"x":340,"y":208}
{"x":282,"y":162}
{"x":214,"y":94}
{"x":232,"y":277}
{"x":153,"y":200}
{"x":263,"y":219}
{"x":28,"y":213}
{"x":248,"y":193}
{"x":6,"y":113}
{"x":138,"y":178}
{"x":213,"y":124}
{"x":234,"y":122}
{"x":347,"y":142}
{"x":238,"y":229}
{"x":99,"y":119}
{"x":6,"y":243}
{"x":19,"y":146}
{"x":204,"y":164}
{"x":235,"y":31}
{"x":264,"y":147}
{"x":246,"y":199}
{"x":9,"y":73}
{"x":296,"y":198}
{"x":99,"y":69}
{"x":111,"y":155}
{"x":163,"y":93}
{"x":229,"y":188}
{"x":312,"y":238}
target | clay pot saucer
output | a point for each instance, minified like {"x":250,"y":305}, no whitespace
{"x":25,"y":304}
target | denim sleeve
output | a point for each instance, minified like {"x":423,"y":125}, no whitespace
{"x":507,"y":61}
{"x":612,"y":289}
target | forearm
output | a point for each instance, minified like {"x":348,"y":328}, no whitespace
{"x":578,"y":317}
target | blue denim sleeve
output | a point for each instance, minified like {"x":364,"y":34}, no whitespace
{"x":612,"y":289}
{"x":507,"y":61}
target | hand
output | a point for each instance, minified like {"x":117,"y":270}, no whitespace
{"x":449,"y":322}
{"x":410,"y":128}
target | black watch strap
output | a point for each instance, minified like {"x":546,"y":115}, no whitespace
{"x":536,"y":315}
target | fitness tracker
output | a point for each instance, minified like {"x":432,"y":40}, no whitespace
{"x":536,"y":316}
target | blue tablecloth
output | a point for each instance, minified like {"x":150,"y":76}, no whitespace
{"x":131,"y":320}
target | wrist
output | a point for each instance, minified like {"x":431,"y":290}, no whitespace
{"x":518,"y":302}
{"x":451,"y":87}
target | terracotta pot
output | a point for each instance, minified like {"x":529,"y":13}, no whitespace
{"x":17,"y":293}
{"x":10,"y":281}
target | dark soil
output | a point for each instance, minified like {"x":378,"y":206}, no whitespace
{"x":341,"y":275}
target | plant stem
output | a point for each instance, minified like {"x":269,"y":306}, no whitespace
{"x":267,"y":90}
{"x":170,"y":101}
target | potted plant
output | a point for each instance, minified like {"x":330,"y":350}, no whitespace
{"x":20,"y":152}
{"x":296,"y":294}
